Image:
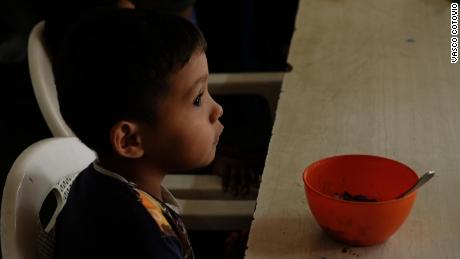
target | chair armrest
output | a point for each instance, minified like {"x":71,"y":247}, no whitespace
{"x":201,"y":187}
{"x":217,"y":214}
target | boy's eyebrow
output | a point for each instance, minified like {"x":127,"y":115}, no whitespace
{"x":201,"y":78}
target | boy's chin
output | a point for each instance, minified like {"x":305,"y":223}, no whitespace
{"x":200,"y":165}
{"x":210,"y":160}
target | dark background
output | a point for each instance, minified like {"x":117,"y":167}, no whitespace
{"x":242,"y":35}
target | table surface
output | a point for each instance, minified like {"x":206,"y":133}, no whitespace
{"x":369,"y":77}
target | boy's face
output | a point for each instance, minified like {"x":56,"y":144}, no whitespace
{"x":188,"y":128}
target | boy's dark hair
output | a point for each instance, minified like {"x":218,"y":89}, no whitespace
{"x":115,"y":64}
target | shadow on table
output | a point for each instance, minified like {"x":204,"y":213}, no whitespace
{"x":301,"y":237}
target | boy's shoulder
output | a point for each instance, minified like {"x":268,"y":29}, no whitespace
{"x":93,"y":186}
{"x":105,"y":216}
{"x":94,"y":196}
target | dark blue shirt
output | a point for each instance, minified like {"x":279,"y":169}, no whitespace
{"x":105,"y":218}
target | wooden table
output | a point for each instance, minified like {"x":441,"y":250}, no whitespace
{"x":370,"y":77}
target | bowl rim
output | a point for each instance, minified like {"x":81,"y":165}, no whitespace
{"x":304,"y":178}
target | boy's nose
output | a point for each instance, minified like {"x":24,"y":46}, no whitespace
{"x":217,"y":112}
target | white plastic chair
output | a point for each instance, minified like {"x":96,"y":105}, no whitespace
{"x":42,"y":77}
{"x":30,"y":179}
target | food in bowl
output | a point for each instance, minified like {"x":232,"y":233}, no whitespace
{"x":349,"y":197}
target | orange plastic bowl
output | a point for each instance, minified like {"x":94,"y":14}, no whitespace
{"x":359,"y":223}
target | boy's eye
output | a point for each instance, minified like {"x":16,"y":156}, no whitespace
{"x":197,"y":101}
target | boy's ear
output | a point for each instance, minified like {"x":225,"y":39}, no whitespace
{"x":126,"y":140}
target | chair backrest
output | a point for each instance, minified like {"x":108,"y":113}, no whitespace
{"x":30,"y":179}
{"x":41,"y":74}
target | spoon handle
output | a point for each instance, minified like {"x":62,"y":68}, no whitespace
{"x":425,"y":178}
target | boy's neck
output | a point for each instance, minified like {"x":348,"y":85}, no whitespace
{"x":146,"y":178}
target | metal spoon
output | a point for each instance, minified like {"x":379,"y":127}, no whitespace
{"x":421,"y":181}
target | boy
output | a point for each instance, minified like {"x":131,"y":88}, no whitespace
{"x":139,"y":79}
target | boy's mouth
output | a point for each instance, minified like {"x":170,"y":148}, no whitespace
{"x":218,"y":136}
